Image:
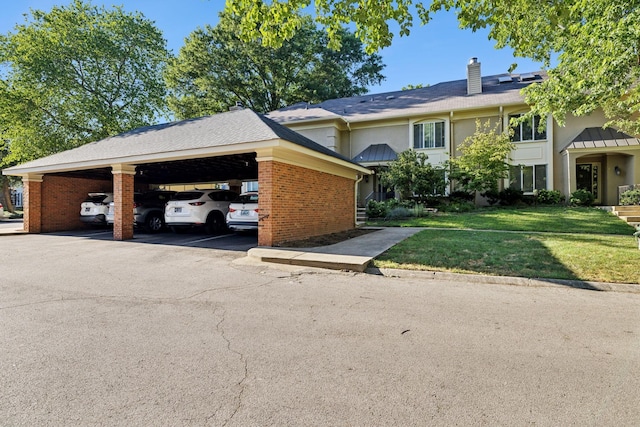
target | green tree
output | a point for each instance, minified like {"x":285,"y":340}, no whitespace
{"x":77,"y":74}
{"x":418,"y":86}
{"x":411,"y":174}
{"x":215,"y":69}
{"x":593,"y":43}
{"x":483,"y":160}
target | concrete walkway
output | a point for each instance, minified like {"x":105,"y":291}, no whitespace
{"x":353,"y":254}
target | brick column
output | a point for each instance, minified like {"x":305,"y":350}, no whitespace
{"x":265,"y":202}
{"x":123,"y":186}
{"x":32,"y":203}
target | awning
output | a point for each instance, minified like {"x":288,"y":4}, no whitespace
{"x":601,"y":138}
{"x":377,"y":153}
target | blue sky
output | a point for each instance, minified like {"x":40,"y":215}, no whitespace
{"x":433,"y":53}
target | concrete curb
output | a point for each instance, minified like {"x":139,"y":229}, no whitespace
{"x":310,"y":259}
{"x":506,"y":280}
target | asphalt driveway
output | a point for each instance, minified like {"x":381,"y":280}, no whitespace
{"x":97,"y":332}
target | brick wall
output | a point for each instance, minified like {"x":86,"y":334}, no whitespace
{"x":32,"y":194}
{"x":296,"y":203}
{"x":61,"y":199}
{"x":123,"y":204}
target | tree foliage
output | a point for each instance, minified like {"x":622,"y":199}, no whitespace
{"x":216,"y":68}
{"x":594,"y":43}
{"x":411,"y":174}
{"x":76,"y":74}
{"x":483,"y":160}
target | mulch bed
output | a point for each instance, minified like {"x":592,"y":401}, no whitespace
{"x":327,"y":239}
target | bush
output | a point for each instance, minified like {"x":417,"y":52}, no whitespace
{"x":376,"y":209}
{"x":549,"y":197}
{"x":461,"y":196}
{"x":630,"y":197}
{"x":399,"y":213}
{"x":510,"y":196}
{"x":581,"y":198}
{"x":458,"y":207}
{"x":492,"y":196}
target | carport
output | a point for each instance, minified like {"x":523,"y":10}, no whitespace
{"x":305,"y":189}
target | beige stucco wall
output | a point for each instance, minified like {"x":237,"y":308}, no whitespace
{"x":395,"y":135}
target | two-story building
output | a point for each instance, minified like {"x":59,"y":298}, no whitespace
{"x":372,"y":129}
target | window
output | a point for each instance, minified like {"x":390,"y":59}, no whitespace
{"x":428,"y":135}
{"x":528,"y":178}
{"x":527,"y":130}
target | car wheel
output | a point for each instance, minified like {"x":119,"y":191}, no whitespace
{"x":154,"y":223}
{"x":215,"y":223}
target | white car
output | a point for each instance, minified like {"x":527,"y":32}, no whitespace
{"x":95,"y":208}
{"x":1,"y":212}
{"x":243,"y":213}
{"x":199,"y":208}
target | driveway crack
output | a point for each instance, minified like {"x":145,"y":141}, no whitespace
{"x":243,"y":360}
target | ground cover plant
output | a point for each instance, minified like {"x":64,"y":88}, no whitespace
{"x":554,"y":243}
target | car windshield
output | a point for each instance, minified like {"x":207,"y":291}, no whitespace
{"x":247,"y":198}
{"x":222,"y":196}
{"x":187,"y":195}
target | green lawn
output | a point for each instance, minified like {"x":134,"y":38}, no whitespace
{"x":549,"y":219}
{"x":557,"y":243}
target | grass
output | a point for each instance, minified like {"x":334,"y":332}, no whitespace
{"x":553,"y":243}
{"x":547,"y":219}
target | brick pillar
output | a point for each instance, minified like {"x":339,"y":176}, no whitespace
{"x":123,"y":186}
{"x":265,"y":203}
{"x":32,"y":203}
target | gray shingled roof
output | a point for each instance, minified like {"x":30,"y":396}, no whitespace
{"x":601,"y":138}
{"x":376,"y":153}
{"x":441,"y":97}
{"x":165,"y":140}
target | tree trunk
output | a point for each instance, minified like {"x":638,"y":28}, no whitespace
{"x":5,"y":195}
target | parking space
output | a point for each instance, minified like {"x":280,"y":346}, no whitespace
{"x":190,"y":238}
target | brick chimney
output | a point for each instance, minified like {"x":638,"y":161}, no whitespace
{"x":474,"y":77}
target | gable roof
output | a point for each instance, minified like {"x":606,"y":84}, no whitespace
{"x":441,"y":97}
{"x":596,"y":137}
{"x":207,"y":135}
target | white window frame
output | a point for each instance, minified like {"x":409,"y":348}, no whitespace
{"x":532,"y":125}
{"x":421,"y":134}
{"x":534,"y":177}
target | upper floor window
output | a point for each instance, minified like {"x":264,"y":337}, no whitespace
{"x":528,"y":130}
{"x":429,"y":135}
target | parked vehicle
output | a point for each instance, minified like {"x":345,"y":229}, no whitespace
{"x":1,"y":211}
{"x":205,"y":208}
{"x":243,"y":212}
{"x":148,"y":210}
{"x":95,"y":208}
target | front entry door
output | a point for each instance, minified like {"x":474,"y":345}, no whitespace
{"x":588,"y":178}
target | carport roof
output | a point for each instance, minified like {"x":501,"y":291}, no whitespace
{"x":238,"y":131}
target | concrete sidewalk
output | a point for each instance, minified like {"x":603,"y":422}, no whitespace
{"x":11,"y":226}
{"x":353,"y":254}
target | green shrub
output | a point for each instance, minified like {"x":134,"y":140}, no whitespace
{"x":399,"y":213}
{"x":549,"y":197}
{"x":492,"y":196}
{"x":461,"y":196}
{"x":630,"y":197}
{"x":376,"y":209}
{"x":510,"y":196}
{"x":581,"y":198}
{"x":458,"y":207}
